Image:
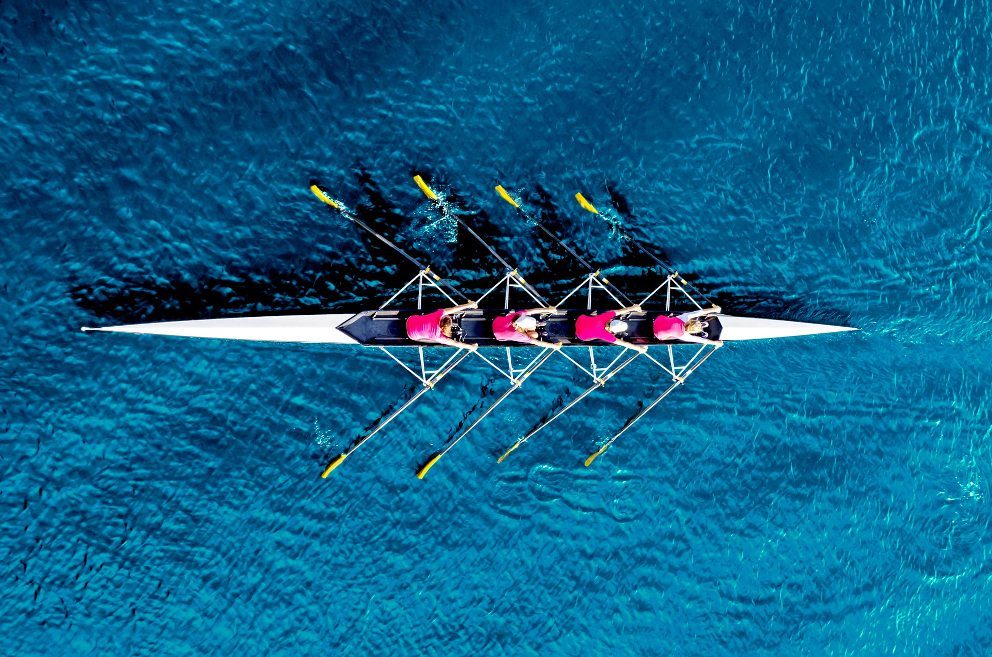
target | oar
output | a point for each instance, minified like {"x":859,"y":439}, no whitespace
{"x":424,"y":469}
{"x":446,"y":210}
{"x":433,"y":381}
{"x":568,"y":249}
{"x":588,"y":391}
{"x":347,"y":214}
{"x":647,"y":409}
{"x":626,"y":234}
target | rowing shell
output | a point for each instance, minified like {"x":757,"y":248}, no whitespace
{"x":385,"y":328}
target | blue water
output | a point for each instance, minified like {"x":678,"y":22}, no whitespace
{"x":812,"y":161}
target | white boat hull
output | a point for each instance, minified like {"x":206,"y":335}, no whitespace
{"x":753,"y":328}
{"x":317,"y":329}
{"x":323,"y":329}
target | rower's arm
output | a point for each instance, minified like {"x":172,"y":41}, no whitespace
{"x":471,"y":305}
{"x":630,"y":345}
{"x":546,"y":345}
{"x":636,"y":308}
{"x":450,"y":342}
{"x":713,"y":310}
{"x":698,"y":339}
{"x":539,"y":311}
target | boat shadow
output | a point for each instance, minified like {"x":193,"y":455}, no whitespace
{"x":755,"y":302}
{"x":324,"y":282}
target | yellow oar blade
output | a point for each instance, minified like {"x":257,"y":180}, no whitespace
{"x":503,"y":194}
{"x":333,"y":464}
{"x":507,"y":452}
{"x":428,"y":192}
{"x":430,"y":464}
{"x":319,"y":193}
{"x":586,"y":205}
{"x":594,"y":456}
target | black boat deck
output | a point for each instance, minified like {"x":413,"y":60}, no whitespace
{"x":387,"y":328}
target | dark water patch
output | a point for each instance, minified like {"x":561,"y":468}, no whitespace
{"x":485,"y":397}
{"x":312,"y":286}
{"x":558,"y":269}
{"x":381,"y":215}
{"x":639,"y":259}
{"x":471,"y":257}
{"x":779,"y":305}
{"x":552,"y":216}
{"x":556,"y":405}
{"x":633,"y":256}
{"x":317,"y":283}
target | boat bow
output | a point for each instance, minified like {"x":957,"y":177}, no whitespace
{"x":755,"y":328}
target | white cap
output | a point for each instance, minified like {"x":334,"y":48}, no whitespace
{"x":526,"y":323}
{"x":618,"y":326}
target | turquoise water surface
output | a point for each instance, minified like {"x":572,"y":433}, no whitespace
{"x":811,"y":161}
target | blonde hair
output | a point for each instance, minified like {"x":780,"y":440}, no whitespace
{"x":446,"y":326}
{"x":694,"y":326}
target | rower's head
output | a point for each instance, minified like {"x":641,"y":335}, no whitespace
{"x":696,"y":326}
{"x":617,"y":326}
{"x":446,"y":326}
{"x":525,"y":324}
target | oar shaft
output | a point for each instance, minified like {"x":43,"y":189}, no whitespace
{"x":647,"y":409}
{"x":626,"y":234}
{"x":437,"y":278}
{"x":568,"y":249}
{"x":432,"y":382}
{"x":382,"y":238}
{"x":582,"y":261}
{"x":446,"y":209}
{"x":585,"y":393}
{"x":595,"y":455}
{"x":392,"y":416}
{"x":482,"y":417}
{"x":344,"y":212}
{"x":481,"y":241}
{"x":588,"y":391}
{"x":424,"y":469}
{"x":530,"y":288}
{"x":644,"y":411}
{"x":617,"y":292}
{"x":530,"y":370}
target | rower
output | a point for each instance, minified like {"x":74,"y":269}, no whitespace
{"x":607,"y":327}
{"x":436,"y":327}
{"x":521,"y":326}
{"x":687,"y":327}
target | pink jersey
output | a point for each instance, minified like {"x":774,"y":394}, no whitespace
{"x":593,"y":327}
{"x":503,"y":329}
{"x":668,"y":328}
{"x":425,"y":328}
